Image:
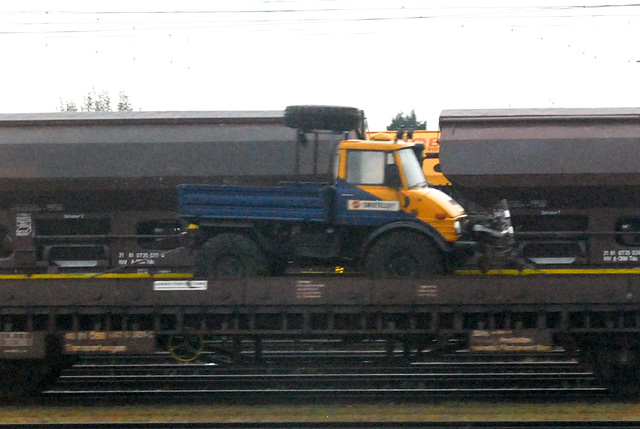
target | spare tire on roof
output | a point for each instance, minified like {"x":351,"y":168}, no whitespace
{"x":322,"y":118}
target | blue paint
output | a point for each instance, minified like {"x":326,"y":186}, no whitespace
{"x":303,"y":202}
{"x":293,"y":202}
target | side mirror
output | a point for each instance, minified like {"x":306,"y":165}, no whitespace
{"x":418,"y":149}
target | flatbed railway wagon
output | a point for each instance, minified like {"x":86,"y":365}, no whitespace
{"x":48,"y":322}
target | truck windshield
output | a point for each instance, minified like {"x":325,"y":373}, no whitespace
{"x":412,"y":170}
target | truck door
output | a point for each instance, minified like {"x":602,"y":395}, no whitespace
{"x":367,"y":188}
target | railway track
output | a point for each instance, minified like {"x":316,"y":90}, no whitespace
{"x":590,"y":424}
{"x":318,"y":374}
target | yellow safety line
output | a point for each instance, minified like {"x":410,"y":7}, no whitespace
{"x":563,"y":271}
{"x":99,"y":276}
{"x":512,"y":272}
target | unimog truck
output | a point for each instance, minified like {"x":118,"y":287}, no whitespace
{"x":375,"y":212}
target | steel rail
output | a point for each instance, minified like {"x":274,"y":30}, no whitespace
{"x":546,"y":424}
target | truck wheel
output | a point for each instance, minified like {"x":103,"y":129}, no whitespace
{"x":403,"y":254}
{"x":327,"y":118}
{"x":230,"y":255}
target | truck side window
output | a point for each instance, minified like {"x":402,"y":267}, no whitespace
{"x":367,"y":167}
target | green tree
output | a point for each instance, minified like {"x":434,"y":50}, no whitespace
{"x":67,"y":106}
{"x":407,"y":122}
{"x":96,"y":101}
{"x":123,"y":102}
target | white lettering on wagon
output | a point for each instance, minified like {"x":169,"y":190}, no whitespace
{"x":23,"y":225}
{"x":385,"y":206}
{"x":306,"y":289}
{"x":20,"y":345}
{"x":621,"y":255}
{"x":16,"y":339}
{"x":139,"y":258}
{"x":427,"y":291}
{"x":170,"y":285}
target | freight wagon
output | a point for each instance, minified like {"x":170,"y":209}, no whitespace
{"x":48,"y":322}
{"x":92,"y":192}
{"x":571,"y":178}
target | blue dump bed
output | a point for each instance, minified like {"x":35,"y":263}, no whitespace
{"x":307,"y":202}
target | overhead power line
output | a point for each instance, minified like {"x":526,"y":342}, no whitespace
{"x":103,"y":21}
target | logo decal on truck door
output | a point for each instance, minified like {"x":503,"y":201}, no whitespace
{"x":386,"y":206}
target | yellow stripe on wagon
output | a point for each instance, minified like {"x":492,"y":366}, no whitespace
{"x":96,"y":276}
{"x":563,"y":271}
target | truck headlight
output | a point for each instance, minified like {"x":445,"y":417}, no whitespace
{"x":457,"y":227}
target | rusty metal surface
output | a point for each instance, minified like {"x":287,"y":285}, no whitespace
{"x":326,"y":294}
{"x":109,"y":342}
{"x":508,"y":340}
{"x":537,"y":114}
{"x":150,"y":117}
{"x":151,"y":149}
{"x":534,"y":148}
{"x":120,"y":170}
{"x":108,"y":315}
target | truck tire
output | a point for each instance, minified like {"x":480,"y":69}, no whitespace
{"x":230,"y":255}
{"x":403,"y":254}
{"x":322,"y":118}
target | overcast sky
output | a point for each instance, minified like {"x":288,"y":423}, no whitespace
{"x":381,"y":56}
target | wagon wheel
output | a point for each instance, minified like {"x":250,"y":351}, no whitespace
{"x":187,"y":346}
{"x":224,"y":350}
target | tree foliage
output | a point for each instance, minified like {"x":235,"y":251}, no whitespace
{"x":96,"y":101}
{"x":407,"y":122}
{"x":123,"y":102}
{"x":67,"y":106}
